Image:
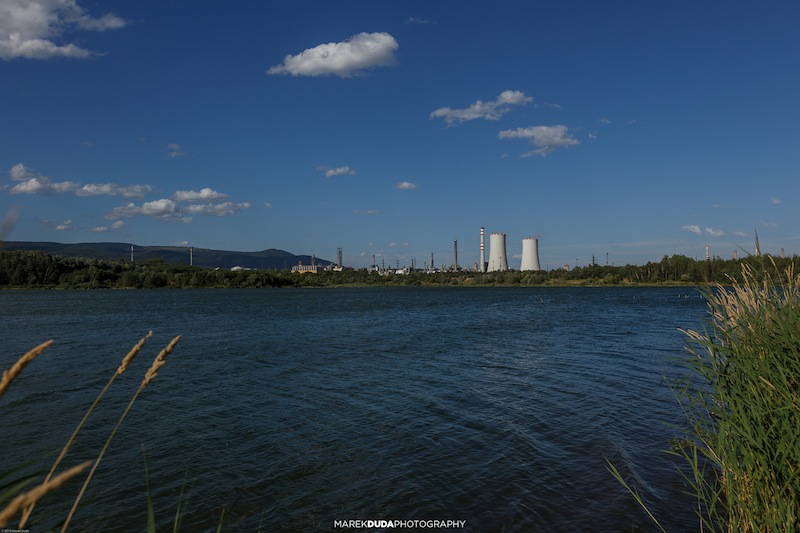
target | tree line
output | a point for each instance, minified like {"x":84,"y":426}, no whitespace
{"x":31,"y":269}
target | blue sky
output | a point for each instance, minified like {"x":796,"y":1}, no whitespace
{"x":623,"y":130}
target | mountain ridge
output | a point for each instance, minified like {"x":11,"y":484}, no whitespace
{"x":272,"y":258}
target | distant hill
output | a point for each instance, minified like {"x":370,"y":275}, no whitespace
{"x":271,"y":259}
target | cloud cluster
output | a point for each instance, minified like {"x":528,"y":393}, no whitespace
{"x":344,"y":59}
{"x":711,"y":232}
{"x":31,"y":182}
{"x":405,"y":185}
{"x":202,"y":195}
{"x":171,"y":209}
{"x":493,"y":110}
{"x":178,"y":208}
{"x":544,"y":138}
{"x":28,"y":28}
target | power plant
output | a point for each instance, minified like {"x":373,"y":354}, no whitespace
{"x":497,"y":252}
{"x":497,"y":261}
{"x":530,"y":254}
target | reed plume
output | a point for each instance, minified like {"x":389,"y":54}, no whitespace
{"x":29,"y":498}
{"x":122,"y":367}
{"x":14,"y":371}
{"x":159,"y":362}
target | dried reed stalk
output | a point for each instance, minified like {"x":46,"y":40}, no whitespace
{"x":159,"y":361}
{"x":122,"y":367}
{"x":14,"y":371}
{"x":29,"y":498}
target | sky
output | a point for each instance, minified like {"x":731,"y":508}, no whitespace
{"x":618,"y":132}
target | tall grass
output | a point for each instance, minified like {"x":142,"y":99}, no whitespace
{"x":742,"y":403}
{"x":745,"y":412}
{"x":23,"y":502}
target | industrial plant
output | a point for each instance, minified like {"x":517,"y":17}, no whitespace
{"x":498,"y":258}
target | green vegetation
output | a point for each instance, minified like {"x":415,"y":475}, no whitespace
{"x":742,"y":403}
{"x":25,"y":269}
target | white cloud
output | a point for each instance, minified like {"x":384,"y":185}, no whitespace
{"x":175,"y":150}
{"x":366,"y":212}
{"x":740,"y":234}
{"x":330,"y":172}
{"x":36,"y":183}
{"x":768,"y":224}
{"x":164,"y":209}
{"x":101,"y":229}
{"x":112,"y":189}
{"x":267,"y":205}
{"x":195,"y":196}
{"x":544,"y":138}
{"x":775,"y":201}
{"x":486,"y":110}
{"x":217,"y":210}
{"x":714,"y":232}
{"x":693,"y":228}
{"x":159,"y":208}
{"x":33,"y":183}
{"x":28,"y":28}
{"x":604,"y":120}
{"x":343,"y":59}
{"x":405,"y":185}
{"x":421,"y":22}
{"x":66,"y":226}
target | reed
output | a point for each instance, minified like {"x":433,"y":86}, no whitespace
{"x":126,"y":361}
{"x":23,"y":502}
{"x":744,"y":412}
{"x":16,"y":369}
{"x":741,"y":399}
{"x":152,"y":372}
{"x":29,"y":498}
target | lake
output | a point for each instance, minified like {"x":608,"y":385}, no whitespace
{"x":289,"y":409}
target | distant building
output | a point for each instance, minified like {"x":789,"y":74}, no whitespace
{"x":300,"y":268}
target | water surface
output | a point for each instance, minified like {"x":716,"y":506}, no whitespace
{"x":294,"y":408}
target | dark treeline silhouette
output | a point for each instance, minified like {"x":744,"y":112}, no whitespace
{"x":26,"y":269}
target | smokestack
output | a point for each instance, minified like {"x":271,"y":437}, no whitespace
{"x":497,"y":252}
{"x":455,"y":255}
{"x":530,"y":254}
{"x":708,"y":257}
{"x":483,"y":254}
{"x":433,"y":266}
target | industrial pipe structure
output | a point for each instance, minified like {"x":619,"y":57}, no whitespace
{"x":497,"y":252}
{"x":530,"y":254}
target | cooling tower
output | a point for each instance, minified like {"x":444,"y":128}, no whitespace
{"x":530,"y":254}
{"x":497,"y":252}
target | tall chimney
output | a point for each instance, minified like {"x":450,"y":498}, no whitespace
{"x":483,"y":253}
